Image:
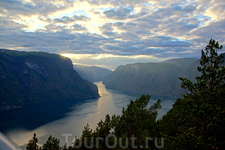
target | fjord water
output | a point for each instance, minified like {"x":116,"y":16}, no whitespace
{"x":67,"y":117}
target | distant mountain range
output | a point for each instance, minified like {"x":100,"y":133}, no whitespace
{"x":34,"y":77}
{"x":92,"y":73}
{"x":153,"y":78}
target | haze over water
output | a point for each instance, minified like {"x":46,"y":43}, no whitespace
{"x":69,"y":117}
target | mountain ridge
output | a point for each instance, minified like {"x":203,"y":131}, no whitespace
{"x":159,"y":78}
{"x":34,"y":77}
{"x":92,"y":73}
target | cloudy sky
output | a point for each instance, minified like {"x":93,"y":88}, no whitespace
{"x":109,"y":33}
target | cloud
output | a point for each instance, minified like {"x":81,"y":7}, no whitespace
{"x":217,"y":10}
{"x":13,"y":7}
{"x":119,"y":13}
{"x":10,"y":24}
{"x":72,"y":19}
{"x":160,"y":29}
{"x":214,"y":29}
{"x":109,"y":60}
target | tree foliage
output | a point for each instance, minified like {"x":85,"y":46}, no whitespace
{"x":213,"y":73}
{"x":137,"y":120}
{"x":51,"y":144}
{"x":197,"y":120}
{"x":32,"y":145}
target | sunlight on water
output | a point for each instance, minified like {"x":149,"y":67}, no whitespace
{"x":90,"y":111}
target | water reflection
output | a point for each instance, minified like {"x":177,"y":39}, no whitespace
{"x":90,"y":111}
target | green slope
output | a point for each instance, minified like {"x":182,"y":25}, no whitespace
{"x":149,"y":78}
{"x":34,"y":77}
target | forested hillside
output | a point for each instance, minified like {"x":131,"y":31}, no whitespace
{"x":150,"y":78}
{"x":34,"y":77}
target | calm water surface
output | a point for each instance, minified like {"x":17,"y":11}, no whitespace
{"x":68,"y":117}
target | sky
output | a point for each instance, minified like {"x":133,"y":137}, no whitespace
{"x":109,"y":33}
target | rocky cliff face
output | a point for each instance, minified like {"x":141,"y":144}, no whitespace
{"x":34,"y":77}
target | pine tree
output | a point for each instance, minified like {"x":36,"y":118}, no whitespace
{"x":87,"y":137}
{"x":32,"y":145}
{"x":213,"y":72}
{"x":197,"y":120}
{"x":103,"y":130}
{"x":138,"y":120}
{"x":52,"y":144}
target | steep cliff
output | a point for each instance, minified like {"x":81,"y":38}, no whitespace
{"x":34,"y":77}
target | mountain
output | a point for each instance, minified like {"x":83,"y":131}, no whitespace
{"x":190,"y":72}
{"x":92,"y":73}
{"x":150,"y":78}
{"x":35,"y":77}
